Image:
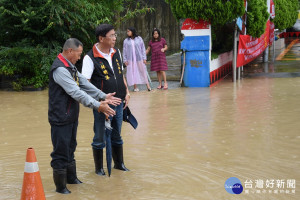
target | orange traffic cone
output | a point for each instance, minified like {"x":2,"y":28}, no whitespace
{"x":32,"y":183}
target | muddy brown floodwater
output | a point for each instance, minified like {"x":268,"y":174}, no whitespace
{"x":188,"y":143}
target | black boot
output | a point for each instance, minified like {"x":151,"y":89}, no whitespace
{"x":71,"y":174}
{"x":60,"y":180}
{"x":98,"y":159}
{"x":117,"y":154}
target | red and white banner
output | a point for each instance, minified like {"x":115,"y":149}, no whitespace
{"x":250,"y":48}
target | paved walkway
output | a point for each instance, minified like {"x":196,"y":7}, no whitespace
{"x":174,"y":68}
{"x":273,"y":68}
{"x":173,"y":73}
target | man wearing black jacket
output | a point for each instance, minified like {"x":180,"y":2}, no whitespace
{"x":104,"y":68}
{"x":68,"y":88}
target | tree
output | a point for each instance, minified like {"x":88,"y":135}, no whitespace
{"x":32,"y":32}
{"x":257,"y":17}
{"x":218,"y":12}
{"x":215,"y":11}
{"x":286,"y":13}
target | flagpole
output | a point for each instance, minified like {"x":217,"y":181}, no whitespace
{"x":234,"y":54}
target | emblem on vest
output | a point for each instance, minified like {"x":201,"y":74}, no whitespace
{"x":119,"y":68}
{"x":105,"y":72}
{"x":75,"y":77}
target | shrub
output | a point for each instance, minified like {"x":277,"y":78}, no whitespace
{"x":32,"y":32}
{"x":30,"y":65}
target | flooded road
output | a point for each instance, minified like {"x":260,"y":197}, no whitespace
{"x":188,"y":143}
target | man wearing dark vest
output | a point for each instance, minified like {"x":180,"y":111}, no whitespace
{"x":68,"y":88}
{"x":104,"y":68}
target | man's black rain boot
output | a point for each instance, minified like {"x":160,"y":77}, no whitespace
{"x":98,"y":159}
{"x":71,"y":174}
{"x":60,"y":180}
{"x":117,"y":154}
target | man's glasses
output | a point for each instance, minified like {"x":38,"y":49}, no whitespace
{"x":112,"y":36}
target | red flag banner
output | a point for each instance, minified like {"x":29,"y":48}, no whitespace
{"x":250,"y":48}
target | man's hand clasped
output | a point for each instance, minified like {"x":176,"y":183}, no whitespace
{"x":115,"y":101}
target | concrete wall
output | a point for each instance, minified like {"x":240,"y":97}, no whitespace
{"x":279,"y":44}
{"x":220,"y":67}
{"x":162,"y":18}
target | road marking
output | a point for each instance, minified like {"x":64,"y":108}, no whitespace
{"x":291,"y":59}
{"x":282,"y":54}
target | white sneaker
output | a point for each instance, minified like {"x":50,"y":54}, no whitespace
{"x":136,"y":90}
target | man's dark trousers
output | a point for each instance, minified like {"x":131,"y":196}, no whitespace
{"x":64,"y":144}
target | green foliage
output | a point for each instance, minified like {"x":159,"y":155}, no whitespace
{"x":48,"y":22}
{"x":257,"y":17}
{"x":51,"y":22}
{"x":216,"y":11}
{"x":214,"y":55}
{"x":222,"y":37}
{"x":30,"y":65}
{"x":132,"y":9}
{"x":286,"y":13}
{"x":32,"y":32}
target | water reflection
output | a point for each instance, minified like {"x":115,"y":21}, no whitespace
{"x":188,"y":142}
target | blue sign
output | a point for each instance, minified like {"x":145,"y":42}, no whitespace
{"x":239,"y":23}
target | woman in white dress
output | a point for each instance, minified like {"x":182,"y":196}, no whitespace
{"x":134,"y":57}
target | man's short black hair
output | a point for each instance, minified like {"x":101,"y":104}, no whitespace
{"x":102,"y":30}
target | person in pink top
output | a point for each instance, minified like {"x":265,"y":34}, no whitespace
{"x":134,"y":57}
{"x":158,"y":47}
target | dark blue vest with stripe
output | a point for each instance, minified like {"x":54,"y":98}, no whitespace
{"x":63,"y":109}
{"x":104,"y":78}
